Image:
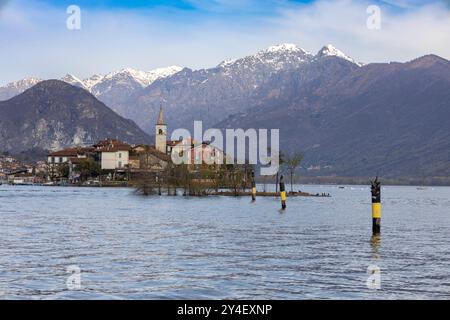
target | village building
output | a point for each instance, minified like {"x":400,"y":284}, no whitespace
{"x":112,"y":154}
{"x":69,"y":157}
{"x":148,"y":158}
{"x":119,"y":157}
{"x":199,"y":153}
{"x":156,"y":158}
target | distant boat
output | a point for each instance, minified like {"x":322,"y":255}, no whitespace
{"x":422,"y":188}
{"x":341,"y":187}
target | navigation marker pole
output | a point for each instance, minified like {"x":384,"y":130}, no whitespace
{"x":282,"y":193}
{"x":376,"y":206}
{"x":253,"y":186}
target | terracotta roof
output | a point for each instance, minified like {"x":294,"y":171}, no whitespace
{"x":111,"y":145}
{"x":114,"y":148}
{"x":140,"y":146}
{"x":160,"y":155}
{"x":70,"y":152}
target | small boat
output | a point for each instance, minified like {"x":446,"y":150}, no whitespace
{"x":422,"y":188}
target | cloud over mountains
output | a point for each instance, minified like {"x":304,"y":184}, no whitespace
{"x":146,"y":38}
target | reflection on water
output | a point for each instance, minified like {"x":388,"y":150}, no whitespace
{"x":134,"y":247}
{"x":375,"y":241}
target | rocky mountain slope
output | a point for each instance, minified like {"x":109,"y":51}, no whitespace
{"x":391,"y":119}
{"x":349,"y":118}
{"x":53,"y":114}
{"x":15,"y":88}
{"x":212,"y":94}
{"x":114,"y":88}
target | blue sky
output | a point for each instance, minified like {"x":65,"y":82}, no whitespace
{"x":202,"y":33}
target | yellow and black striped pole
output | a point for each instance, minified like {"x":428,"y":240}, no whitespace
{"x":376,"y":206}
{"x":282,"y":193}
{"x":253,"y":187}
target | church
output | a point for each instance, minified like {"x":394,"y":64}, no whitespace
{"x":158,"y":156}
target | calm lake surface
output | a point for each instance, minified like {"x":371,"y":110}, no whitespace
{"x":133,"y":247}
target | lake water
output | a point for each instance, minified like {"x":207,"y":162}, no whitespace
{"x":133,"y":247}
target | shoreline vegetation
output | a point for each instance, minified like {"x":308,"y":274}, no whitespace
{"x":387,"y":181}
{"x":323,"y":181}
{"x":314,"y":181}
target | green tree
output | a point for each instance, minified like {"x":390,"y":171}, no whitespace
{"x":63,"y":170}
{"x":88,"y":168}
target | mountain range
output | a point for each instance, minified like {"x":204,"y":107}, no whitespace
{"x":53,"y":114}
{"x":391,"y":119}
{"x":112,"y":88}
{"x":348,"y":118}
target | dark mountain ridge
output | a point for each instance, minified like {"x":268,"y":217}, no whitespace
{"x":54,"y":114}
{"x":391,"y":119}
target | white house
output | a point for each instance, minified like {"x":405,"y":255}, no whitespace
{"x":114,"y":154}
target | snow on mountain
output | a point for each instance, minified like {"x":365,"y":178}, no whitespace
{"x":331,"y":51}
{"x":24,"y":83}
{"x":92,"y":81}
{"x":71,"y":79}
{"x":14,"y":88}
{"x":284,"y":47}
{"x":275,"y":58}
{"x":152,"y":76}
{"x":145,"y":78}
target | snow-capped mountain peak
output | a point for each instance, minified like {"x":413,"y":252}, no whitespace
{"x":331,"y":51}
{"x":92,"y":81}
{"x":17,"y":87}
{"x":285,"y":55}
{"x":284,"y":47}
{"x":145,"y":78}
{"x":73,"y":80}
{"x":24,"y":84}
{"x":227,"y":62}
{"x":159,"y":73}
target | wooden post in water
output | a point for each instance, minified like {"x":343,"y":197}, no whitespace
{"x":282,"y":193}
{"x":159,"y":185}
{"x":376,"y":206}
{"x":253,"y":186}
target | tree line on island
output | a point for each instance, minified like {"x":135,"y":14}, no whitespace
{"x":204,"y":180}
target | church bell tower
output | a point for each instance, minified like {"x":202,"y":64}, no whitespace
{"x":161,"y":133}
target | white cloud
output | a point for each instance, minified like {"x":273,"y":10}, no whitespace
{"x":403,"y":36}
{"x":35,"y":36}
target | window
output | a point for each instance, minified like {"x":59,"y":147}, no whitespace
{"x":120,"y":164}
{"x":120,"y":155}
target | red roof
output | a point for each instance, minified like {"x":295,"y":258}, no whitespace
{"x":111,"y":145}
{"x":70,"y":152}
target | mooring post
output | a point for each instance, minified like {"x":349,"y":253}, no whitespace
{"x":282,"y":193}
{"x":159,"y":185}
{"x":253,"y":186}
{"x":376,"y":206}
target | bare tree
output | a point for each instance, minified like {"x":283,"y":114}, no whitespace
{"x":281,"y":162}
{"x":292,"y":163}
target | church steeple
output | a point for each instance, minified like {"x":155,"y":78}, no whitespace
{"x":161,"y":133}
{"x":161,"y":117}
